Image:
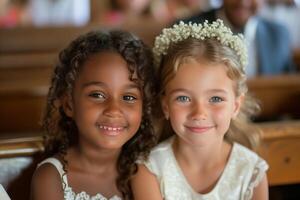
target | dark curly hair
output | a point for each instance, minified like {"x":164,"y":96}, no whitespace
{"x":61,"y":130}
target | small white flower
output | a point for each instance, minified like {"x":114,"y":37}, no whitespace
{"x":203,"y":31}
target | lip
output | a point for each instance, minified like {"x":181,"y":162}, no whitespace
{"x":110,"y":130}
{"x":199,"y":129}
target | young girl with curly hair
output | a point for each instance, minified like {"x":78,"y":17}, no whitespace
{"x":97,"y":119}
{"x":203,"y":93}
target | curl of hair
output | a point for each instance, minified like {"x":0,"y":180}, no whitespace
{"x":61,"y":130}
{"x":210,"y":51}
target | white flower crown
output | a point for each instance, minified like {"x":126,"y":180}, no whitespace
{"x":203,"y":31}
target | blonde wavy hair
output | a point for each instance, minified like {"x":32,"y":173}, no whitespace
{"x":212,"y":51}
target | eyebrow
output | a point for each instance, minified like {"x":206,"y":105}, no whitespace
{"x":217,"y":91}
{"x":93,"y":83}
{"x":101,"y":84}
{"x":208,"y":91}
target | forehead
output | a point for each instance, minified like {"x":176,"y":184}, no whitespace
{"x":104,"y":66}
{"x":197,"y":75}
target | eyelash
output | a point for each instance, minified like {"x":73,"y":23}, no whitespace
{"x":97,"y":95}
{"x":183,"y":99}
{"x":216,"y":99}
{"x":127,"y":98}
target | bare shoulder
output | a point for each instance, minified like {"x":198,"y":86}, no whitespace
{"x":46,"y":183}
{"x":261,"y":191}
{"x":145,"y":185}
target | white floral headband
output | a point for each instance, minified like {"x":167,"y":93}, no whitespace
{"x":203,"y":31}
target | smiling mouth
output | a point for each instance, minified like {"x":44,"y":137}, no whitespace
{"x":110,"y":130}
{"x":200,"y":129}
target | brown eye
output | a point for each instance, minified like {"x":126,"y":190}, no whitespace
{"x":97,"y":95}
{"x":129,"y":98}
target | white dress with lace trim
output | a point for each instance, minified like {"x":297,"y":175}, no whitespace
{"x":69,"y":194}
{"x":243,"y":171}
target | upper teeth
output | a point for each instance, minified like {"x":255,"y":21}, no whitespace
{"x":110,"y":128}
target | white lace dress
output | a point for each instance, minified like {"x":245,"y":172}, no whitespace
{"x":243,"y":172}
{"x":69,"y":194}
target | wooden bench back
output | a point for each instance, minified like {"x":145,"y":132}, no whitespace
{"x":279,"y":96}
{"x":280,"y":147}
{"x":18,"y":160}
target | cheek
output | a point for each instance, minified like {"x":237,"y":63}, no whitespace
{"x":87,"y":114}
{"x":86,"y":108}
{"x":178,"y":114}
{"x":174,"y":109}
{"x":134,"y":115}
{"x":222,"y":112}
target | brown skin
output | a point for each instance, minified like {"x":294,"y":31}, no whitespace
{"x":107,"y":108}
{"x":239,"y":11}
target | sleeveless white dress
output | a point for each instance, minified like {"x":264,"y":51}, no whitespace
{"x":242,"y":173}
{"x":68,"y":192}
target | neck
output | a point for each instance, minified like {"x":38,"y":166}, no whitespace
{"x":201,"y":157}
{"x":94,"y":159}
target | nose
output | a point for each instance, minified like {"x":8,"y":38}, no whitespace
{"x":198,"y":111}
{"x":113,"y":109}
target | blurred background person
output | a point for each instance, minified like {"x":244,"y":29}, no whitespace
{"x":161,"y":12}
{"x":288,"y":13}
{"x":13,"y":13}
{"x":59,"y":12}
{"x":269,"y":43}
{"x":119,"y":12}
{"x":169,"y":10}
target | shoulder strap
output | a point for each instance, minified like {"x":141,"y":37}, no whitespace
{"x":59,"y":167}
{"x":3,"y":194}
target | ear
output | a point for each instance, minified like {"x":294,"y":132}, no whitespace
{"x":67,"y":105}
{"x":165,"y":107}
{"x":237,"y":105}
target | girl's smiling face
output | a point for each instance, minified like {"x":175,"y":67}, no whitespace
{"x":105,"y":105}
{"x":200,"y":102}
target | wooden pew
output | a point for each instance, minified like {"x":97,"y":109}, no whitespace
{"x":280,"y":146}
{"x":296,"y":58}
{"x":279,"y":96}
{"x":18,"y":159}
{"x":51,"y":39}
{"x":22,"y":98}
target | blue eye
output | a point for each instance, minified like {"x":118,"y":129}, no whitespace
{"x":215,"y":99}
{"x":129,"y":98}
{"x":183,"y":99}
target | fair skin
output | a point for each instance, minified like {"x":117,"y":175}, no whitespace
{"x":200,"y":102}
{"x":107,"y":108}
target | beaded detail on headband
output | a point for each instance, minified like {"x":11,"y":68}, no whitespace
{"x":216,"y":29}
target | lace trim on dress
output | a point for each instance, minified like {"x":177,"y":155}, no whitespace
{"x":70,"y":194}
{"x":257,"y":176}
